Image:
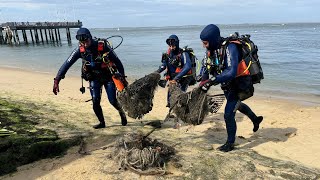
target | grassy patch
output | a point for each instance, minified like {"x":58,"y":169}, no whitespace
{"x":26,"y":142}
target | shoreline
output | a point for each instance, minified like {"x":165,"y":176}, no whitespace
{"x":304,"y":99}
{"x":288,"y":132}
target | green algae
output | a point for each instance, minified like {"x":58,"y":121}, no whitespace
{"x":28,"y":142}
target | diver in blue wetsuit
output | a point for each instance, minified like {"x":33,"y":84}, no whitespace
{"x":223,"y":71}
{"x":178,"y":65}
{"x":100,"y":63}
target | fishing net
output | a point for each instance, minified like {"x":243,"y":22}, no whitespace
{"x":193,"y":106}
{"x":137,"y":98}
{"x":190,"y":107}
{"x":141,"y":154}
{"x":215,"y":102}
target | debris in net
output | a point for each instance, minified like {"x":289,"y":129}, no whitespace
{"x":137,"y":98}
{"x":193,"y":106}
{"x":190,"y":107}
{"x":141,"y":154}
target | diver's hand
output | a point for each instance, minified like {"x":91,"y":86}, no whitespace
{"x":205,"y":85}
{"x":56,"y":86}
{"x":173,"y":81}
{"x":162,"y":83}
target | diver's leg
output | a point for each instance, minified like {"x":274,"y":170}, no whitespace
{"x":112,"y":96}
{"x":229,"y":117}
{"x":256,"y":120}
{"x":95,"y":90}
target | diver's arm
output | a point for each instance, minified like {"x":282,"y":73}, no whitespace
{"x":186,"y":67}
{"x":164,"y":60}
{"x":74,"y":56}
{"x":162,"y":67}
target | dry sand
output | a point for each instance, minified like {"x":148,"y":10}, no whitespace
{"x":290,"y":130}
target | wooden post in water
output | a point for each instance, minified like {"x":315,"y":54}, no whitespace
{"x":36,"y":35}
{"x":24,"y":35}
{"x":17,"y":36}
{"x":59,"y":35}
{"x":14,"y":37}
{"x":67,"y":35}
{"x":31,"y":36}
{"x":1,"y":36}
{"x":41,"y":36}
{"x":55,"y":32}
{"x":45,"y":32}
{"x":52,"y":35}
{"x":49,"y":30}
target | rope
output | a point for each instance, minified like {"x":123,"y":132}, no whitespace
{"x":141,"y":154}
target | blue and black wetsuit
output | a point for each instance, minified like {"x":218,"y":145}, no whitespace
{"x":226,"y":78}
{"x":178,"y":65}
{"x":101,"y":76}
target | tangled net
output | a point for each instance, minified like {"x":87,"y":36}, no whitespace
{"x":215,"y":102}
{"x":141,"y":154}
{"x":193,"y":106}
{"x":137,"y":98}
{"x":190,"y":107}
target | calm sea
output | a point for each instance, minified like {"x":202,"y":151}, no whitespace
{"x":289,"y":53}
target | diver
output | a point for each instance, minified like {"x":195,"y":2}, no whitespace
{"x":224,"y":73}
{"x":178,"y":65}
{"x":100,"y":65}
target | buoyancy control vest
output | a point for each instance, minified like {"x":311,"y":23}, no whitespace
{"x":249,"y":70}
{"x":101,"y":66}
{"x":249,"y":64}
{"x":191,"y":75}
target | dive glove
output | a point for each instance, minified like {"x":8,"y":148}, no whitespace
{"x":205,"y":85}
{"x":56,"y":86}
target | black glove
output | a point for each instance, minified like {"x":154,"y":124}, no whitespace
{"x":162,"y":83}
{"x":56,"y":85}
{"x":205,"y":85}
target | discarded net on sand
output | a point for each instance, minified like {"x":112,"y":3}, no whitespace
{"x":141,"y":154}
{"x":193,"y":106}
{"x":137,"y":98}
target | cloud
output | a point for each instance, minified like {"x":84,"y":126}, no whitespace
{"x":108,"y":13}
{"x":22,"y":4}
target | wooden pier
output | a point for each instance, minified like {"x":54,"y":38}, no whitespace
{"x":48,"y":31}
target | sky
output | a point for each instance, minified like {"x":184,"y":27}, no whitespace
{"x":146,"y":13}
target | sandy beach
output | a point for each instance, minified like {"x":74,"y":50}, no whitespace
{"x":290,"y":130}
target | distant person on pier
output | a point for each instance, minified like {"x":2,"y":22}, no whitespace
{"x":101,"y":64}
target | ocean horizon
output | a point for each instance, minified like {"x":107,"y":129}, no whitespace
{"x":288,"y":52}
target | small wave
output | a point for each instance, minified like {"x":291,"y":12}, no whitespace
{"x":301,"y":62}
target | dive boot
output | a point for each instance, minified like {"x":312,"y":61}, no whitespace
{"x":100,"y":125}
{"x":123,"y":118}
{"x":226,"y":147}
{"x":256,"y":123}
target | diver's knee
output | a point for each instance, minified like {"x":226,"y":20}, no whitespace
{"x":228,"y":116}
